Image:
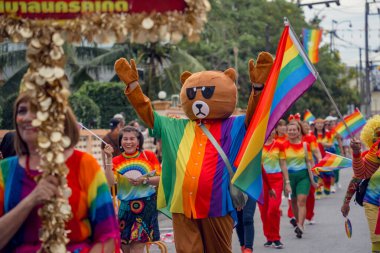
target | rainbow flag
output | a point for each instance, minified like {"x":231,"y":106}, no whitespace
{"x":308,"y":116}
{"x":291,"y":75}
{"x":311,"y":40}
{"x":332,"y":162}
{"x":355,"y":122}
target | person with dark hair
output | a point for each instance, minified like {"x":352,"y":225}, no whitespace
{"x":112,"y":137}
{"x":137,"y":174}
{"x":93,"y":224}
{"x":7,"y":145}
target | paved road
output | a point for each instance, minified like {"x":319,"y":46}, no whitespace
{"x":326,"y":236}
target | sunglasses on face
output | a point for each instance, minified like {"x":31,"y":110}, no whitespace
{"x":207,"y":91}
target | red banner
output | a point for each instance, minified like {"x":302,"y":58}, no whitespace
{"x":67,"y":9}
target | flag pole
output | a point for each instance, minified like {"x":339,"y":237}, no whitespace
{"x":286,"y":22}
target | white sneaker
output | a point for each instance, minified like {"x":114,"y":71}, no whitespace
{"x":333,"y":189}
{"x":312,"y":222}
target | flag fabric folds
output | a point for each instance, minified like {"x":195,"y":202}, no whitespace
{"x":308,"y":116}
{"x":355,"y":122}
{"x":311,"y":40}
{"x":332,"y":162}
{"x":291,"y":75}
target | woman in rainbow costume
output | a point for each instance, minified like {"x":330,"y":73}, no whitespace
{"x":137,"y":173}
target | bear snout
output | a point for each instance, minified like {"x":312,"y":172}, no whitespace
{"x":200,"y":109}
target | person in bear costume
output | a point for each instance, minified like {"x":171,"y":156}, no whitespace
{"x":194,"y":184}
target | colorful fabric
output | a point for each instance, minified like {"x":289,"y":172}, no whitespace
{"x":372,"y":194}
{"x":294,"y":155}
{"x":93,"y":218}
{"x":311,"y":40}
{"x":270,"y":209}
{"x":271,"y":157}
{"x":191,"y":162}
{"x":281,"y":139}
{"x":311,"y":140}
{"x":138,"y":220}
{"x":355,"y":122}
{"x":332,"y":162}
{"x":134,"y":166}
{"x":328,"y":138}
{"x":291,"y":75}
{"x":367,"y":163}
{"x":308,"y":116}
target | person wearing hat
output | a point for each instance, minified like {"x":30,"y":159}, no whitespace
{"x":112,"y":137}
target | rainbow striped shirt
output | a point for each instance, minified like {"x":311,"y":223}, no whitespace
{"x":294,"y":154}
{"x":134,"y":165}
{"x":271,"y":157}
{"x":93,"y":220}
{"x":194,"y":179}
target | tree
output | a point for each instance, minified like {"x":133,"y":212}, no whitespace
{"x":85,"y":109}
{"x":110,"y":99}
{"x":7,"y":114}
{"x":244,"y":26}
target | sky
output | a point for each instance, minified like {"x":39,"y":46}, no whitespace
{"x":349,"y":12}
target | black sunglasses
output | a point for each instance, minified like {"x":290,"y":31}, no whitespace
{"x":207,"y":91}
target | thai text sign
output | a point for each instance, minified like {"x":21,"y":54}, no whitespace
{"x":67,"y":9}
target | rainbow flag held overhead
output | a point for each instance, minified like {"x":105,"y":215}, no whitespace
{"x":355,"y":122}
{"x":308,"y":116}
{"x":332,"y":162}
{"x":311,"y":40}
{"x":291,"y":75}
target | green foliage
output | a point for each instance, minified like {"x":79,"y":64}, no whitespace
{"x":110,"y":99}
{"x":85,"y":109}
{"x":244,"y":25}
{"x":7,"y":114}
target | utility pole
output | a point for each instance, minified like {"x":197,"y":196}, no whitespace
{"x":367,"y":101}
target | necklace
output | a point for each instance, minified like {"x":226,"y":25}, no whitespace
{"x":129,"y":156}
{"x":28,"y":172}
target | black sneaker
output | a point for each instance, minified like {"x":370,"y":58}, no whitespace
{"x":268,"y":244}
{"x":278,"y":245}
{"x":298,"y":232}
{"x":293,"y":221}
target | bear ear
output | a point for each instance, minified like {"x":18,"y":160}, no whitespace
{"x":231,"y":73}
{"x":184,"y":76}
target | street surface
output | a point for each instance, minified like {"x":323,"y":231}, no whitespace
{"x":326,"y":236}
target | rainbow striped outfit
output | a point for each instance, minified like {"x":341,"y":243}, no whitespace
{"x":194,"y":179}
{"x":93,"y":218}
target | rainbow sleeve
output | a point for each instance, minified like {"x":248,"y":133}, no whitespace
{"x":101,"y":212}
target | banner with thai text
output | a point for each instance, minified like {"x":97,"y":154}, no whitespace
{"x":67,"y":9}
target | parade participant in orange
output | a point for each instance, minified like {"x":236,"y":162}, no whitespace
{"x":277,"y":176}
{"x":310,"y":138}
